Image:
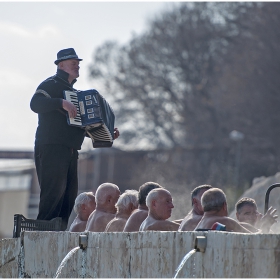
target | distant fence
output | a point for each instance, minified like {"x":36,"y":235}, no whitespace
{"x":17,"y":154}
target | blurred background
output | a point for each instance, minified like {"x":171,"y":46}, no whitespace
{"x":194,"y":87}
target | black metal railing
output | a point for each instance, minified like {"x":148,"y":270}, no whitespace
{"x":267,"y":195}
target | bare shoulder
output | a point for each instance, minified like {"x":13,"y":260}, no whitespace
{"x":228,"y":221}
{"x":163,"y":225}
{"x":233,"y":225}
{"x":140,"y":214}
{"x":116,"y":225}
{"x":104,"y":217}
{"x":107,"y":229}
{"x":207,"y":222}
{"x":98,"y":221}
{"x":78,"y":227}
{"x":135,"y":220}
{"x":190,"y":223}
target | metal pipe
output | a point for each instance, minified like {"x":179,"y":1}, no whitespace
{"x":267,"y":195}
{"x":200,"y":244}
{"x":83,"y":241}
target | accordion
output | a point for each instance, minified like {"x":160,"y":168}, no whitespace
{"x":94,"y":115}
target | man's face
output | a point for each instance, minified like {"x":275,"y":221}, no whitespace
{"x":164,"y":205}
{"x":247,"y":214}
{"x":71,"y":66}
{"x":197,"y":202}
{"x":91,"y":205}
{"x":115,"y":194}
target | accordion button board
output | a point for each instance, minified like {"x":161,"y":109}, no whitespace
{"x":94,"y":115}
{"x":88,"y":109}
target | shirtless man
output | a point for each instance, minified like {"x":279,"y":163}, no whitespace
{"x":126,"y":204}
{"x":84,"y":206}
{"x":248,"y":216}
{"x":138,"y":216}
{"x":194,"y":216}
{"x":106,"y":197}
{"x":215,"y":210}
{"x":159,"y":203}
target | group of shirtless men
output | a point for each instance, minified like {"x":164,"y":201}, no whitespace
{"x":151,"y":207}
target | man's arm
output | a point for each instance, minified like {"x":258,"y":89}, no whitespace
{"x":249,"y":227}
{"x":42,"y":104}
{"x":232,"y":225}
{"x":134,"y":221}
{"x":43,"y":101}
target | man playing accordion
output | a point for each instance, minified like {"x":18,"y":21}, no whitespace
{"x":56,"y":142}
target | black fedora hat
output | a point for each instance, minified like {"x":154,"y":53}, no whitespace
{"x":66,"y":54}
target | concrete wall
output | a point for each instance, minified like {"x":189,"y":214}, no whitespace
{"x":144,"y":255}
{"x":9,"y":257}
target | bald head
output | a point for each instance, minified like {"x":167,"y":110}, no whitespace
{"x":154,"y":195}
{"x":159,"y":202}
{"x":213,"y":200}
{"x":107,"y":191}
{"x":84,"y":198}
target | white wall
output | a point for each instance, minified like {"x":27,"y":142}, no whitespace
{"x":15,"y":182}
{"x":151,"y":255}
{"x":12,"y":202}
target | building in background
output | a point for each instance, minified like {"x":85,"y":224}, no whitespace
{"x":15,"y":184}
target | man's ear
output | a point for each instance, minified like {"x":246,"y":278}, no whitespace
{"x":60,"y":65}
{"x":154,"y":203}
{"x":225,"y":206}
{"x":109,"y":198}
{"x":194,"y":201}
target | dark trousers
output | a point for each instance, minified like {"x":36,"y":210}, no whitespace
{"x":56,"y":167}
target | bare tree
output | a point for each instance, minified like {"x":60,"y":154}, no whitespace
{"x":198,"y":72}
{"x":161,"y":80}
{"x":246,"y":95}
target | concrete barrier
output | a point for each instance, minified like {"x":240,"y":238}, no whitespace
{"x":141,"y":255}
{"x":9,"y":257}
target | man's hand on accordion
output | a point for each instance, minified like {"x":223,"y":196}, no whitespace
{"x":70,"y":108}
{"x":116,"y":133}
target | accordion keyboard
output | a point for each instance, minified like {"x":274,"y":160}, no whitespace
{"x":72,"y":97}
{"x":94,"y":115}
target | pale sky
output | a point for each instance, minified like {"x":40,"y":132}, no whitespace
{"x":31,"y":34}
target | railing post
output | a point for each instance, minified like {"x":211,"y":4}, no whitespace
{"x":267,"y":195}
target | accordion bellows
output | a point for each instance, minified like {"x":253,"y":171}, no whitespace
{"x":94,"y":114}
